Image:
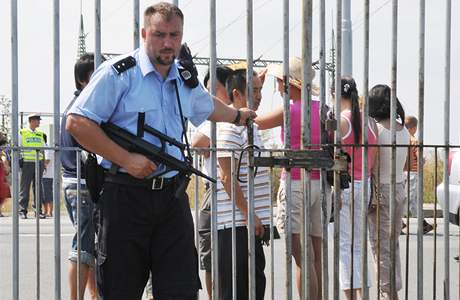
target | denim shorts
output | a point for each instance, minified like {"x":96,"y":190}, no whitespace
{"x":87,"y":254}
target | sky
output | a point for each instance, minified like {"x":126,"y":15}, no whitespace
{"x":35,"y":38}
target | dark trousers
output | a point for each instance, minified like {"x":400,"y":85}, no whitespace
{"x":242,"y":276}
{"x":28,"y":178}
{"x":142,"y":231}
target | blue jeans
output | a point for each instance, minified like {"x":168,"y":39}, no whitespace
{"x":86,"y":220}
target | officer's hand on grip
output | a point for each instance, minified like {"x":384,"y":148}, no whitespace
{"x":187,"y":69}
{"x":139,"y":166}
{"x":245,"y":115}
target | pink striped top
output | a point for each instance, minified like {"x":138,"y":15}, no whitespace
{"x":296,"y":133}
{"x":349,"y":139}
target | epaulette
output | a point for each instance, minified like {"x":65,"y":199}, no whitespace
{"x":124,"y":64}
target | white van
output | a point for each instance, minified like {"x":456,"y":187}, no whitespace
{"x":454,"y":187}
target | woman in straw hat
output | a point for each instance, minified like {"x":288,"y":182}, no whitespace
{"x":274,"y":119}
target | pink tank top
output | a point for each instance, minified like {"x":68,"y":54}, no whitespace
{"x":296,"y":133}
{"x":349,"y":139}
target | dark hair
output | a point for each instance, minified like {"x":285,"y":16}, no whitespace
{"x":83,"y":69}
{"x":380,"y":103}
{"x":167,"y":10}
{"x":3,"y":139}
{"x":236,"y":81}
{"x":222,"y":73}
{"x":350,"y":92}
{"x":411,"y":122}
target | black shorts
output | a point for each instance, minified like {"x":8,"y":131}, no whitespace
{"x":47,"y":190}
{"x":141,"y":230}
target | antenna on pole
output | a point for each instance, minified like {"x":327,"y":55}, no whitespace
{"x":81,"y":49}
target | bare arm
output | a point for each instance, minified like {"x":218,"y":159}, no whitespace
{"x":93,"y":138}
{"x":225,"y":113}
{"x":201,"y":141}
{"x":270,"y":120}
{"x":240,"y":201}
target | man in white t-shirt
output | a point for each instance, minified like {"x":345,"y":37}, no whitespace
{"x":233,"y":136}
{"x":202,"y":139}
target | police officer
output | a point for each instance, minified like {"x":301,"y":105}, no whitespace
{"x":30,"y":136}
{"x":143,"y":226}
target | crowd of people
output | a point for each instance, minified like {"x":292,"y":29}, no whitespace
{"x":142,"y":221}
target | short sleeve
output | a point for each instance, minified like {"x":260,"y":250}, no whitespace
{"x":228,"y":137}
{"x":202,"y":105}
{"x":99,"y":99}
{"x":205,"y":129}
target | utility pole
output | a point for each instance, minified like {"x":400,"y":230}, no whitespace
{"x":347,"y":39}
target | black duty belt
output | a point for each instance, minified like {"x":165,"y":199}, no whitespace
{"x":155,"y":183}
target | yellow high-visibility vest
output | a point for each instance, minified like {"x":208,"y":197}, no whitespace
{"x":32,"y":139}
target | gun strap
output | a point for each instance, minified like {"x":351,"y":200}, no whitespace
{"x":183,"y":122}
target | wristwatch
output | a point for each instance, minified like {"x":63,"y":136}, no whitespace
{"x":237,"y":118}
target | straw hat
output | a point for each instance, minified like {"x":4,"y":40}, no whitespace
{"x":295,"y":73}
{"x":238,"y":66}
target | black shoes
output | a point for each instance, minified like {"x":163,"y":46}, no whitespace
{"x":427,"y":227}
{"x":23,"y":213}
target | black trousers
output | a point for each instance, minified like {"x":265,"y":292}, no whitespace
{"x":142,"y":231}
{"x":242,"y":276}
{"x":28,"y":178}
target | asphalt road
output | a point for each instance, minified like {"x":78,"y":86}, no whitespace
{"x":28,"y":262}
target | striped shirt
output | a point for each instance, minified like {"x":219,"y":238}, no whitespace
{"x":232,"y":136}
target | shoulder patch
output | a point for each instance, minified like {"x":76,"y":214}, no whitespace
{"x":124,"y":64}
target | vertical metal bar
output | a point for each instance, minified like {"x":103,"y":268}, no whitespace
{"x":176,"y":2}
{"x":394,"y":65}
{"x":323,"y":111}
{"x":435,"y":240}
{"x":421,"y":125}
{"x":365,"y":157}
{"x":306,"y":140}
{"x":233,"y":198}
{"x":338,"y":138}
{"x":446,"y":152}
{"x":250,"y":100}
{"x":78,"y":161}
{"x":408,"y":185}
{"x":197,"y":202}
{"x":57,"y":156}
{"x":212,"y":77}
{"x":97,"y":36}
{"x":352,"y":202}
{"x":287,"y":145}
{"x":38,"y":210}
{"x":16,"y":153}
{"x":197,"y":211}
{"x":136,"y":23}
{"x":272,"y":245}
{"x":379,"y":200}
{"x":347,"y":42}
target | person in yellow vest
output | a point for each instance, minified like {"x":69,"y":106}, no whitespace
{"x":30,"y":136}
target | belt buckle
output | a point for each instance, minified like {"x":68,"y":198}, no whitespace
{"x":157,"y":183}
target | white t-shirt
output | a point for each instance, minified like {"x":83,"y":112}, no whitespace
{"x":402,"y":137}
{"x":232,"y":136}
{"x":49,"y":171}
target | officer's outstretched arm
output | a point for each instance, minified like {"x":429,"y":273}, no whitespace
{"x":225,"y":113}
{"x":93,"y":138}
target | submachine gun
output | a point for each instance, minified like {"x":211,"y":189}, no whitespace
{"x":157,"y":154}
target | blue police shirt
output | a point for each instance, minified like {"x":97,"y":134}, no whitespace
{"x":118,"y":98}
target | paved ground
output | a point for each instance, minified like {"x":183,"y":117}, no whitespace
{"x":28,"y":272}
